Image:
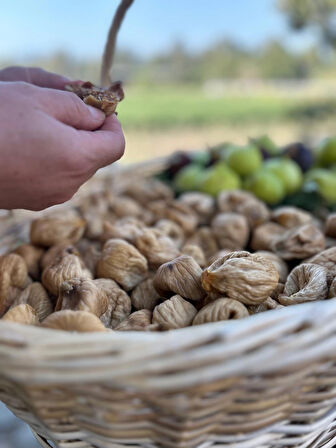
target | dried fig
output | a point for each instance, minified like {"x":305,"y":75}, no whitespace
{"x":79,"y":321}
{"x":180,"y":276}
{"x":171,"y":229}
{"x":289,"y":217}
{"x":299,"y":242}
{"x":145,"y":296}
{"x":123,"y":263}
{"x":32,"y":256}
{"x":118,"y":302}
{"x":157,"y":248}
{"x":13,"y":279}
{"x":231,"y":230}
{"x":50,"y":231}
{"x":202,"y":204}
{"x":204,"y":238}
{"x":279,"y":264}
{"x":221,"y":309}
{"x":264,"y":235}
{"x":66,"y":268}
{"x":196,"y":252}
{"x":244,"y":203}
{"x":126,"y":229}
{"x":82,"y":294}
{"x":37,"y":297}
{"x":21,"y":314}
{"x":183,"y":215}
{"x":305,"y":283}
{"x":248,"y":278}
{"x":174,"y":313}
{"x":326,"y":258}
{"x":137,"y":321}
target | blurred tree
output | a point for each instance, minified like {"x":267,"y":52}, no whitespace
{"x":276,"y":61}
{"x":319,"y":13}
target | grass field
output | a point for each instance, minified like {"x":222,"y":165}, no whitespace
{"x":168,"y":107}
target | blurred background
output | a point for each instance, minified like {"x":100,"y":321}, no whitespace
{"x":195,"y":73}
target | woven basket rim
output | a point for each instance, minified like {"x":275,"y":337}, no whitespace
{"x":308,"y":310}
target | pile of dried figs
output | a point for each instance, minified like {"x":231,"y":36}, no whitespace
{"x":143,"y":259}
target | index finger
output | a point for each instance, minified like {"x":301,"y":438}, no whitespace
{"x":105,"y":145}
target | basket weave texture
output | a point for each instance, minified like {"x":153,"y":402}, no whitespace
{"x":267,"y":381}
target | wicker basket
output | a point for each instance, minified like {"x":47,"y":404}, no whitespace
{"x":268,"y":381}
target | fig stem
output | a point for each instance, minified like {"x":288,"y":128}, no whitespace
{"x":109,"y":50}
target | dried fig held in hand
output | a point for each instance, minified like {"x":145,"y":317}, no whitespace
{"x":103,"y":99}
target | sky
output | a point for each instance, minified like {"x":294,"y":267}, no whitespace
{"x":30,"y":28}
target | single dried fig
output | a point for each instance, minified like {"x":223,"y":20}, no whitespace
{"x":118,"y":302}
{"x":157,"y":248}
{"x":32,"y":256}
{"x":105,"y":99}
{"x":50,"y":231}
{"x":174,"y":313}
{"x":21,"y":314}
{"x":220,"y":309}
{"x":183,"y":215}
{"x":330,"y":225}
{"x":288,"y":216}
{"x":180,"y":276}
{"x":13,"y":279}
{"x":231,"y":230}
{"x":123,"y":263}
{"x":123,"y":206}
{"x":137,"y":321}
{"x":37,"y":297}
{"x":125,"y":228}
{"x":81,"y":294}
{"x":326,"y":258}
{"x":196,"y":252}
{"x":279,"y":264}
{"x":57,"y":252}
{"x":66,"y":268}
{"x":248,"y":278}
{"x":145,"y":296}
{"x":79,"y":321}
{"x":264,"y":235}
{"x":244,"y":203}
{"x":202,"y":204}
{"x":205,"y":239}
{"x":148,"y":190}
{"x":305,"y":283}
{"x":171,"y":229}
{"x":299,"y":242}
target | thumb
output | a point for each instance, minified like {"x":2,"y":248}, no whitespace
{"x":69,"y":109}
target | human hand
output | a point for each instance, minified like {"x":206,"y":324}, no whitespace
{"x":34,"y":75}
{"x":50,"y":144}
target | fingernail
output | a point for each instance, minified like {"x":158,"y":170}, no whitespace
{"x":97,"y":114}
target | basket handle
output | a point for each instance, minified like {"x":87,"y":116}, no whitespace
{"x":41,"y":440}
